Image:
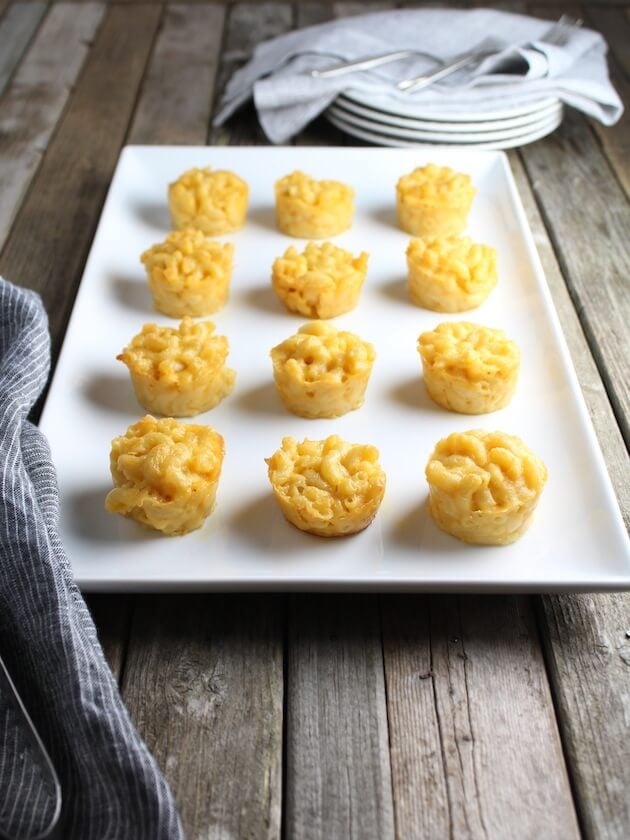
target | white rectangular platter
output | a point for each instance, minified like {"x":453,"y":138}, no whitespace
{"x":577,"y":540}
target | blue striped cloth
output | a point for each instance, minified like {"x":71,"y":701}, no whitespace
{"x":111,"y":786}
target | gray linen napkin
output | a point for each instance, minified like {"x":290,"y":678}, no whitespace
{"x":287,"y":97}
{"x":112,"y":788}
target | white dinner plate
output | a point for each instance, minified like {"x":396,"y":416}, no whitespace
{"x":434,"y":136}
{"x":347,"y":108}
{"x":577,"y":540}
{"x":409,"y":107}
{"x":385,"y":137}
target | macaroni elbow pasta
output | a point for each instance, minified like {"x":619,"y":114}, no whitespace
{"x":179,"y":372}
{"x":311,"y":209}
{"x":484,"y":486}
{"x":165,"y":474}
{"x":327,"y":487}
{"x":321,"y":371}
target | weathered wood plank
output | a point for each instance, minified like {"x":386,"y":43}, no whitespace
{"x":349,"y":8}
{"x":614,"y":25}
{"x":17,"y":28}
{"x":584,"y":636}
{"x":419,"y":779}
{"x":203,"y":682}
{"x":247,"y":25}
{"x":53,"y":230}
{"x":112,"y":616}
{"x":312,"y":12}
{"x":474,"y":743}
{"x":338,"y":781}
{"x":588,"y":653}
{"x":174,"y":104}
{"x":608,"y":434}
{"x":36,"y":97}
{"x":588,"y":218}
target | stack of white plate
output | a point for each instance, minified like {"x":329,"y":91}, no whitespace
{"x":386,"y":121}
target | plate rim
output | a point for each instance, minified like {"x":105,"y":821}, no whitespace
{"x":459,"y":137}
{"x":471,"y":116}
{"x":454,"y":127}
{"x":399,"y":143}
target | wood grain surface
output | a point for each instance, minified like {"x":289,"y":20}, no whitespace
{"x":211,"y":668}
{"x":404,"y":716}
{"x":17,"y":28}
{"x":35,"y":98}
{"x":52,"y":233}
{"x":338,"y":780}
{"x":587,"y":640}
{"x":176,"y":97}
{"x":471,"y":722}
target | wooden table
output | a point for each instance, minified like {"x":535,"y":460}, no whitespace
{"x":306,"y":716}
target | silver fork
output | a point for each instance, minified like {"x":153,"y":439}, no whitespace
{"x":347,"y":67}
{"x":558,"y":35}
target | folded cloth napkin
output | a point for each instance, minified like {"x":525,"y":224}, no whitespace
{"x":111,"y":786}
{"x":523,"y":69}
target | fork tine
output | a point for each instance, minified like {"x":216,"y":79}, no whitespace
{"x":559,"y":33}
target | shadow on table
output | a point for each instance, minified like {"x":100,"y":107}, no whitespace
{"x":262,"y":399}
{"x":113,"y":393}
{"x":396,"y":290}
{"x":155,"y":215}
{"x":134,"y":294}
{"x":263,"y":217}
{"x":88,"y":516}
{"x":265,"y":299}
{"x":411,"y":393}
{"x":261,"y":524}
{"x":89,"y":519}
{"x":386,"y":215}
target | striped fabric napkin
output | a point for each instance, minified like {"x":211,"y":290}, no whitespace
{"x":110,"y":784}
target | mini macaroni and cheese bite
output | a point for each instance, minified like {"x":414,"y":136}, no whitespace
{"x":165,"y":474}
{"x":321,"y":371}
{"x":469,"y":368}
{"x":434,"y":201}
{"x":211,"y":200}
{"x":327,"y":487}
{"x":322,"y":282}
{"x":484,"y":486}
{"x":188,"y":273}
{"x":179,"y":371}
{"x":450,"y":274}
{"x":311,"y":209}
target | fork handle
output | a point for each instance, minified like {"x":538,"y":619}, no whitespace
{"x":361,"y":64}
{"x":421,"y":82}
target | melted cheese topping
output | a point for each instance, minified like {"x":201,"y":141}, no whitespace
{"x":165,"y":474}
{"x":469,"y":368}
{"x":321,"y":371}
{"x":188,"y":273}
{"x":484,"y":486}
{"x":179,"y":371}
{"x":322,"y":282}
{"x":312,"y":209}
{"x":214,"y":201}
{"x":450,"y":274}
{"x":434,"y":201}
{"x":327,"y":487}
{"x":438,"y":184}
